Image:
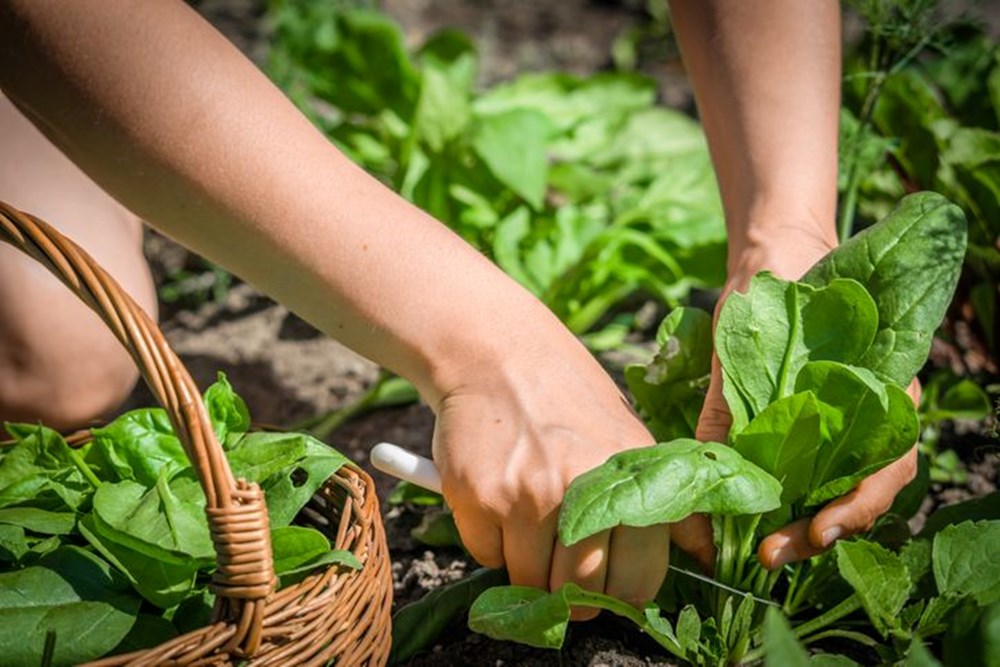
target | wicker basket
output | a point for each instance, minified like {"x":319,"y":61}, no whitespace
{"x":335,"y":614}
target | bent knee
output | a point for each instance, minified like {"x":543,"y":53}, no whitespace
{"x":64,"y":384}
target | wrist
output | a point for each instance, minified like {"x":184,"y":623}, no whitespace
{"x":497,"y":338}
{"x":786,"y":244}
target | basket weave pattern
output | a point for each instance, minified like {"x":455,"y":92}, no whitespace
{"x":333,"y":614}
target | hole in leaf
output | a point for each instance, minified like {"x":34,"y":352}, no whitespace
{"x":299,"y":477}
{"x":711,"y":455}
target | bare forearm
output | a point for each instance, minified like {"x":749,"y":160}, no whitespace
{"x":174,"y":122}
{"x":766,"y":76}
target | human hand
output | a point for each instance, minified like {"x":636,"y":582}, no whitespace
{"x":789,"y":255}
{"x":511,"y":437}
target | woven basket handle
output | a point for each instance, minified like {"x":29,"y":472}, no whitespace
{"x":237,"y":516}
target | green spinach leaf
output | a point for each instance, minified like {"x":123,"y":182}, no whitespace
{"x":166,"y":522}
{"x":910,"y":262}
{"x":670,"y":390}
{"x":865,"y":425}
{"x":140,"y":445}
{"x":763,"y":338}
{"x":163,"y":583}
{"x":72,"y":593}
{"x":879,"y":579}
{"x":965,"y":560}
{"x":662,"y":484}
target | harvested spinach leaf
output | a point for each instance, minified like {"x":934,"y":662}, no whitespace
{"x":163,"y":582}
{"x":139,"y":445}
{"x":72,"y":593}
{"x":166,"y":521}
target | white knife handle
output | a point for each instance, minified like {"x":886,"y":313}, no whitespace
{"x":406,"y":465}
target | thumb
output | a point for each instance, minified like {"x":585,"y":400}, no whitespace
{"x":715,"y":419}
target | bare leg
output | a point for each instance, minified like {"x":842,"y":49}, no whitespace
{"x":58,"y":362}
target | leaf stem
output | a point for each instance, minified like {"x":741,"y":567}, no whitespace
{"x":793,"y":584}
{"x":84,"y":468}
{"x":832,"y":615}
{"x":579,"y":596}
{"x":859,"y":637}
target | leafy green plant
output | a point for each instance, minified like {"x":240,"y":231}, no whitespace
{"x":105,"y":547}
{"x":922,"y":103}
{"x":814,"y":373}
{"x":583,"y":190}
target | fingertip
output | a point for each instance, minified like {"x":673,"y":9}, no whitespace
{"x":583,"y":613}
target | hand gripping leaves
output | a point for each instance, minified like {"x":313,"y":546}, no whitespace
{"x":814,"y":373}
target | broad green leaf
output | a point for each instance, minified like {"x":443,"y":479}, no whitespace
{"x":163,"y":583}
{"x":72,"y":593}
{"x":781,"y":647}
{"x":908,"y":105}
{"x":166,"y":522}
{"x":965,"y":560}
{"x":406,"y":492}
{"x":508,"y":235}
{"x":865,"y":425}
{"x":226,"y":410}
{"x":358,"y":63}
{"x":910,"y":263}
{"x":764,"y":337}
{"x":663,"y":484}
{"x":140,"y":445}
{"x":670,"y":390}
{"x":288,"y":490}
{"x":147,"y":631}
{"x":13,"y":543}
{"x":340,"y":557}
{"x":419,"y":623}
{"x":651,"y":132}
{"x":41,"y":469}
{"x":39,"y":521}
{"x":689,"y":630}
{"x":783,"y":440}
{"x":257,"y":456}
{"x":194,"y":613}
{"x":976,"y":509}
{"x":947,"y":396}
{"x":566,"y":100}
{"x":294,"y":546}
{"x":523,"y":614}
{"x":879,"y":579}
{"x":512,"y":144}
{"x":437,"y":529}
{"x":443,"y":111}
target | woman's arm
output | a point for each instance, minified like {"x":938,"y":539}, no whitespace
{"x":172,"y":120}
{"x":766,"y":77}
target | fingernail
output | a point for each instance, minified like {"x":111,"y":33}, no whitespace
{"x":781,"y":556}
{"x":830,"y":535}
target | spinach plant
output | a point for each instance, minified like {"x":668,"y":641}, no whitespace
{"x":105,"y":548}
{"x":814,"y":373}
{"x":582,"y":189}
